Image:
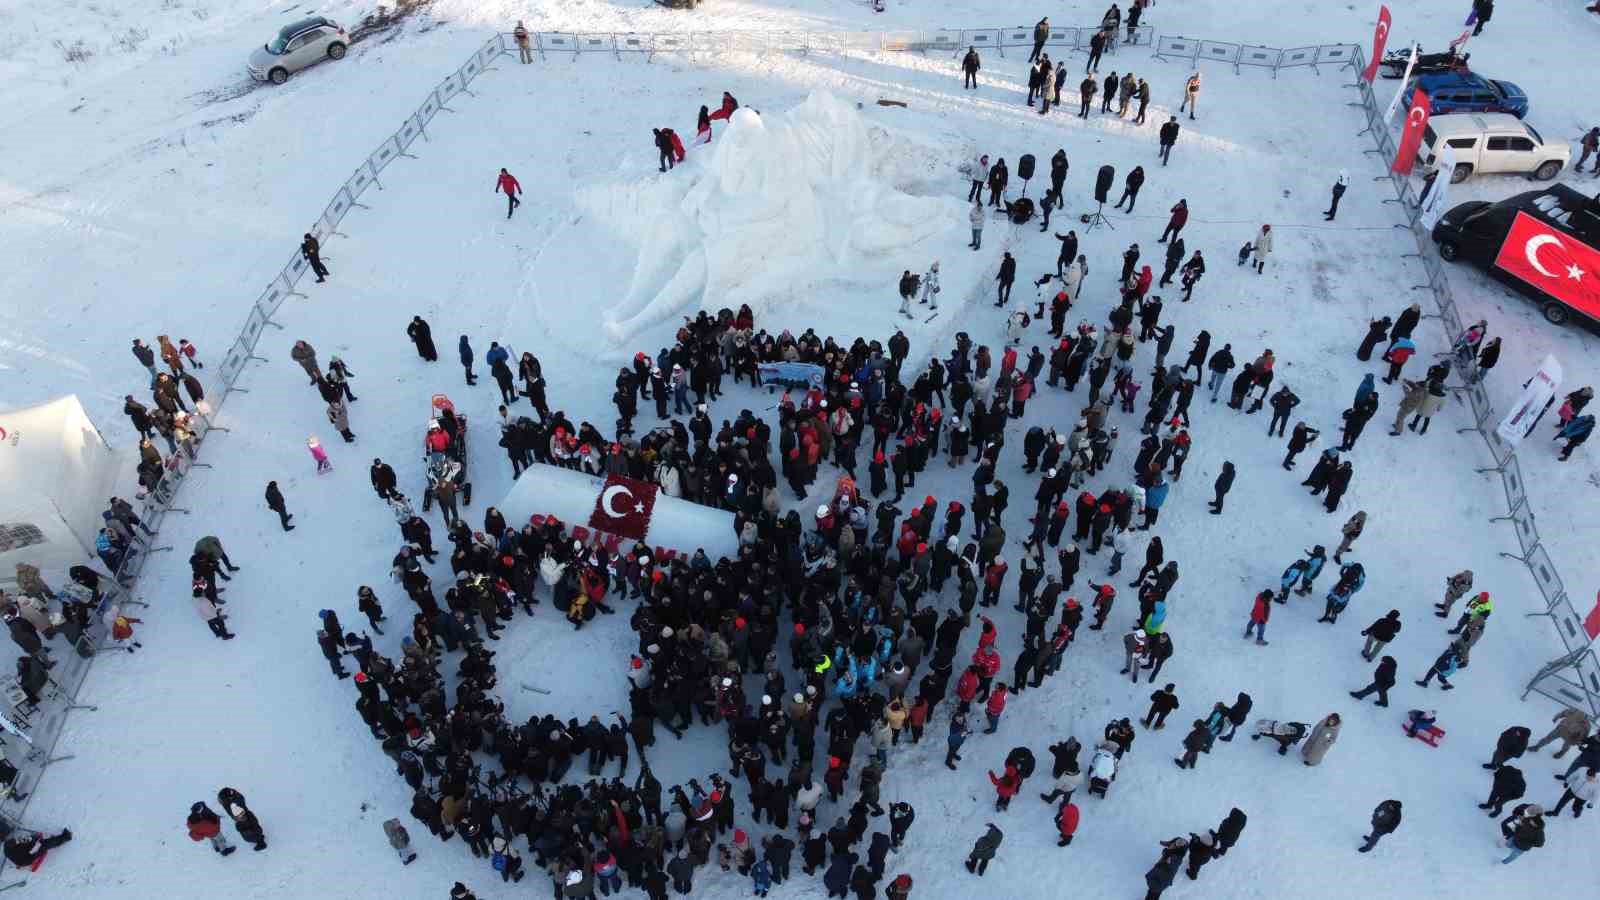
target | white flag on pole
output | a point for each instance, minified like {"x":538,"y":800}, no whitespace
{"x":1400,"y":91}
{"x":1536,"y":398}
{"x":1438,"y":195}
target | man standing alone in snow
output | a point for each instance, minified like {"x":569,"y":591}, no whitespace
{"x":509,"y":185}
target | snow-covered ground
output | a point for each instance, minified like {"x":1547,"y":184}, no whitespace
{"x":148,"y":191}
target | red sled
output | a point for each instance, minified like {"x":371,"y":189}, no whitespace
{"x":1430,"y":736}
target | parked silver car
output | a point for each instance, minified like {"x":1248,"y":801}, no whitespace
{"x":301,"y":44}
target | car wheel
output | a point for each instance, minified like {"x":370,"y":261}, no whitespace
{"x":1555,"y":313}
{"x":1548,"y":170}
{"x":1462,"y":172}
{"x":336,"y":51}
{"x":278,"y":76}
{"x":1448,"y":251}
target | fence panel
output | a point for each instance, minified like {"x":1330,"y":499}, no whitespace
{"x":1174,"y":47}
{"x":1545,"y":575}
{"x":839,"y":42}
{"x":1016,"y":37}
{"x":594,"y":42}
{"x":239,"y":354}
{"x":1297,"y":56}
{"x":468,"y":71}
{"x":1219,"y":51}
{"x":670,"y":43}
{"x":490,"y":50}
{"x":748,"y":42}
{"x":385,"y":154}
{"x":1588,"y":669}
{"x":409,"y":131}
{"x":428,"y":109}
{"x":943,"y":39}
{"x":1499,"y":449}
{"x":801,"y":41}
{"x":1065,"y":38}
{"x":1478,"y":398}
{"x":337,"y":207}
{"x":1143,"y":35}
{"x":1257,"y":55}
{"x":1521,"y":520}
{"x":1336,"y":53}
{"x":269,"y":301}
{"x":636,"y":43}
{"x":449,"y":87}
{"x":898,"y":40}
{"x":359,"y":182}
{"x":296,"y":267}
{"x":554,"y":41}
{"x":981,"y":39}
{"x":718,"y":42}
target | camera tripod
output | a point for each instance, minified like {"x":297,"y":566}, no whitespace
{"x":1098,"y":218}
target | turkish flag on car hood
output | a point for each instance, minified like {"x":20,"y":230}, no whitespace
{"x":1558,"y":264}
{"x":623,"y":507}
{"x":1411,"y":137}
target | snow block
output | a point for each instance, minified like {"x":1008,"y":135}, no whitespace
{"x":677,"y":527}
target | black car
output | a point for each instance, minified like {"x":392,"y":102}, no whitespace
{"x":1475,"y":232}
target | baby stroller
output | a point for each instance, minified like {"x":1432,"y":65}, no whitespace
{"x":1103,"y":769}
{"x":1287,"y":734}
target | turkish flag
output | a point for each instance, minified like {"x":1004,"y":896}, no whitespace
{"x":1557,"y":264}
{"x":1591,"y":622}
{"x":1380,"y":38}
{"x":623,"y":507}
{"x":1411,"y":138}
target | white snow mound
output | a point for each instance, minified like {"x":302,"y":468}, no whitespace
{"x":783,"y":201}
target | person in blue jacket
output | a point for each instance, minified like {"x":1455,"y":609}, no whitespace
{"x":1154,"y":496}
{"x":1575,"y":433}
{"x":1367,"y":387}
{"x":1445,"y":666}
{"x":1315,"y":558}
{"x":761,"y":877}
{"x":1352,"y":577}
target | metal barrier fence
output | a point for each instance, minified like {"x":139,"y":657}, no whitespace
{"x":947,"y":40}
{"x":43,"y":724}
{"x":1572,"y":679}
{"x":1195,"y":50}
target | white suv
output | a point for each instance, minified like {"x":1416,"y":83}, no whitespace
{"x":1490,"y":144}
{"x":304,"y":43}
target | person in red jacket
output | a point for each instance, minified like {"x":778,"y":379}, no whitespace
{"x":967,"y":687}
{"x":1066,"y":821}
{"x":987,"y":635}
{"x":987,"y":659}
{"x":1258,"y":618}
{"x":205,"y":825}
{"x":917,"y":718}
{"x":728,"y":106}
{"x":995,"y":706}
{"x":994,"y":578}
{"x":1005,"y":787}
{"x":508,"y":183}
{"x":1180,"y":218}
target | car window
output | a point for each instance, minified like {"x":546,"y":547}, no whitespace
{"x":1499,"y":143}
{"x":295,"y":44}
{"x":1462,"y":143}
{"x":1521,"y":144}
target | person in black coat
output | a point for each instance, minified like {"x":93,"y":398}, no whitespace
{"x":1237,"y":714}
{"x":1508,"y":785}
{"x":1382,"y":681}
{"x":383,"y":479}
{"x":1131,"y":186}
{"x":1008,"y":274}
{"x":1377,"y":332}
{"x":1230,"y":829}
{"x":1385,"y":819}
{"x":422,"y":336}
{"x":1512,"y":744}
{"x":837,"y":877}
{"x":1162,"y":703}
{"x":276,"y":504}
{"x":1223,"y":485}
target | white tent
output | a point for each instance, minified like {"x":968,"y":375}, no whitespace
{"x":56,"y":476}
